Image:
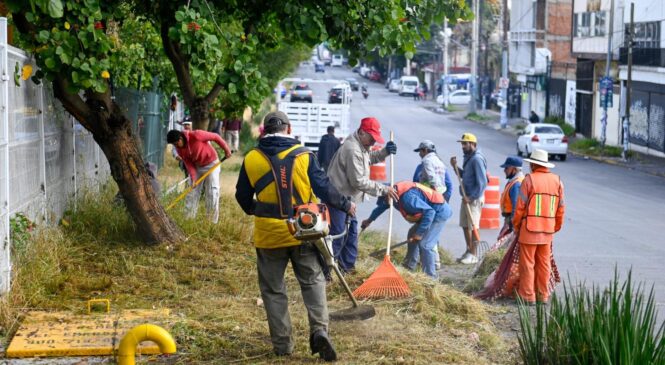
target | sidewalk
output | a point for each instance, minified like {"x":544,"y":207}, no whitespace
{"x":639,"y":162}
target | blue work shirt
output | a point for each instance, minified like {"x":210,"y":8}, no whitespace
{"x":414,"y":202}
{"x":448,"y":182}
{"x":474,"y":175}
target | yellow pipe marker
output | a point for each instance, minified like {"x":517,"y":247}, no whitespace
{"x":138,"y":334}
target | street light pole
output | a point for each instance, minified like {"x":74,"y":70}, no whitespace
{"x":603,"y":120}
{"x":504,"y":68}
{"x":474,"y":60}
{"x":444,"y":86}
{"x":629,"y":83}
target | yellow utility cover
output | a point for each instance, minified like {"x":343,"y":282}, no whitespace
{"x":50,"y":334}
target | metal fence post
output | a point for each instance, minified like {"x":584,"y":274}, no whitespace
{"x":5,"y":247}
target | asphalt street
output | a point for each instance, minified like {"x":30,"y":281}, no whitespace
{"x":615,"y":217}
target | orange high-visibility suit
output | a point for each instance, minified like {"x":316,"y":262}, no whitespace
{"x":538,"y":215}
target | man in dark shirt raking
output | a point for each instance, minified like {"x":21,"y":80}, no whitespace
{"x":474,"y":179}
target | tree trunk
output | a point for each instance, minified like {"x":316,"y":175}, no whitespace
{"x":199,"y":110}
{"x":128,"y":169}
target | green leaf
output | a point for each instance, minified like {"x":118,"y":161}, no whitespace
{"x":408,"y":55}
{"x":55,"y":8}
{"x":75,"y":76}
{"x":43,"y":36}
{"x":232,"y":88}
{"x":50,"y":63}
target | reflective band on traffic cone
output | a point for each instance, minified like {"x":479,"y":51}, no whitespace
{"x":490,"y":216}
{"x":377,"y":172}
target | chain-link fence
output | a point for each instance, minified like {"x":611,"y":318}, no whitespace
{"x":46,"y":156}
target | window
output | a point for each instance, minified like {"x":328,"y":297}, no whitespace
{"x":599,"y":24}
{"x":549,"y":130}
{"x":590,"y":24}
{"x":647,"y":35}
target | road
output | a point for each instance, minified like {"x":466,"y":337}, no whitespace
{"x":615,"y":217}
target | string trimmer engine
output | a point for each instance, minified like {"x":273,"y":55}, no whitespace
{"x":310,"y":222}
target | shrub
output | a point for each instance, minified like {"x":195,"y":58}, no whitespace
{"x":615,"y":325}
{"x":568,"y":129}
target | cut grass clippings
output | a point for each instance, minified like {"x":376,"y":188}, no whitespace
{"x":209,"y":283}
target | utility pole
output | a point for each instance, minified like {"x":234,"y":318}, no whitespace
{"x":444,"y":86}
{"x":504,"y":67}
{"x":474,"y":60}
{"x":629,"y":81}
{"x":608,"y":61}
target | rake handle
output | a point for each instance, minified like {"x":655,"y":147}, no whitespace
{"x":476,"y":235}
{"x":198,"y":181}
{"x":390,"y":200}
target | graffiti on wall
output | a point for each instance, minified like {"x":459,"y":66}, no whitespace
{"x":639,"y":122}
{"x":556,"y":106}
{"x":571,"y":92}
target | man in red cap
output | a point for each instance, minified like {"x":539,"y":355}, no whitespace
{"x":349,"y":173}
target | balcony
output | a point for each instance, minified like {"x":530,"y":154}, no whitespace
{"x":654,"y":57}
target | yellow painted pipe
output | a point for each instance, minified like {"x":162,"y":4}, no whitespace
{"x":138,"y":334}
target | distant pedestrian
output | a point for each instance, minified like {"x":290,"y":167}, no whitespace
{"x":328,"y":146}
{"x":425,"y":89}
{"x":538,"y":215}
{"x":231,"y":128}
{"x":416,"y":93}
{"x":199,"y":157}
{"x":474,"y":179}
{"x":533,"y":118}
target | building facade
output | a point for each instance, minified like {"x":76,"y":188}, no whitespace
{"x":540,"y":55}
{"x":591,"y":29}
{"x":647,"y":101}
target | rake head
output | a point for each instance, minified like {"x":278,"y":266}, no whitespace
{"x":385,"y":282}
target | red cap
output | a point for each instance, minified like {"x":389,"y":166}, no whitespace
{"x":373,"y":127}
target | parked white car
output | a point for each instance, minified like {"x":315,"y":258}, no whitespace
{"x":408,"y":85}
{"x":393,"y":87}
{"x":459,"y":97}
{"x":548,"y":137}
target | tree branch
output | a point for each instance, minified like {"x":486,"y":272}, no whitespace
{"x":73,"y":103}
{"x":212,"y":95}
{"x":179,"y":63}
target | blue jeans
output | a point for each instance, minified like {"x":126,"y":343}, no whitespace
{"x":345,"y":248}
{"x":425,"y":248}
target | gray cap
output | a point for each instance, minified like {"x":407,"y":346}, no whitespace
{"x":426,"y":144}
{"x":274,"y":119}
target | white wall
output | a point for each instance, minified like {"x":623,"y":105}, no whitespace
{"x":599,"y":44}
{"x":613,"y":131}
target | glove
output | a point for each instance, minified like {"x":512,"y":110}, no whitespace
{"x":365,"y":224}
{"x":391,"y":147}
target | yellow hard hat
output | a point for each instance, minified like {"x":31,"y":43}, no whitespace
{"x":468,"y":137}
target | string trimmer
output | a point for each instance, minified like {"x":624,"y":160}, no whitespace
{"x":311,"y":223}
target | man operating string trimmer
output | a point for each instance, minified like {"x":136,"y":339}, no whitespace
{"x":300,"y":180}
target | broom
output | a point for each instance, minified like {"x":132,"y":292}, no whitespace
{"x":385,"y":282}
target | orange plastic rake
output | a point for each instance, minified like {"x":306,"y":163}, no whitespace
{"x":385,"y":282}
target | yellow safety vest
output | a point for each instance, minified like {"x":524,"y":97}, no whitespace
{"x":270,"y":230}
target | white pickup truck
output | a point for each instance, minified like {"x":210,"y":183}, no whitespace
{"x":309,"y":121}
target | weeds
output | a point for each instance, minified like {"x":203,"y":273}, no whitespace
{"x":616,"y":325}
{"x":477,"y":117}
{"x":209,"y":283}
{"x":568,"y":129}
{"x":591,"y":146}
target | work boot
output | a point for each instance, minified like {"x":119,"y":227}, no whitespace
{"x":320,"y":343}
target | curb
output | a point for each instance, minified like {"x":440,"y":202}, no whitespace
{"x":512,"y":132}
{"x":614,"y":162}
